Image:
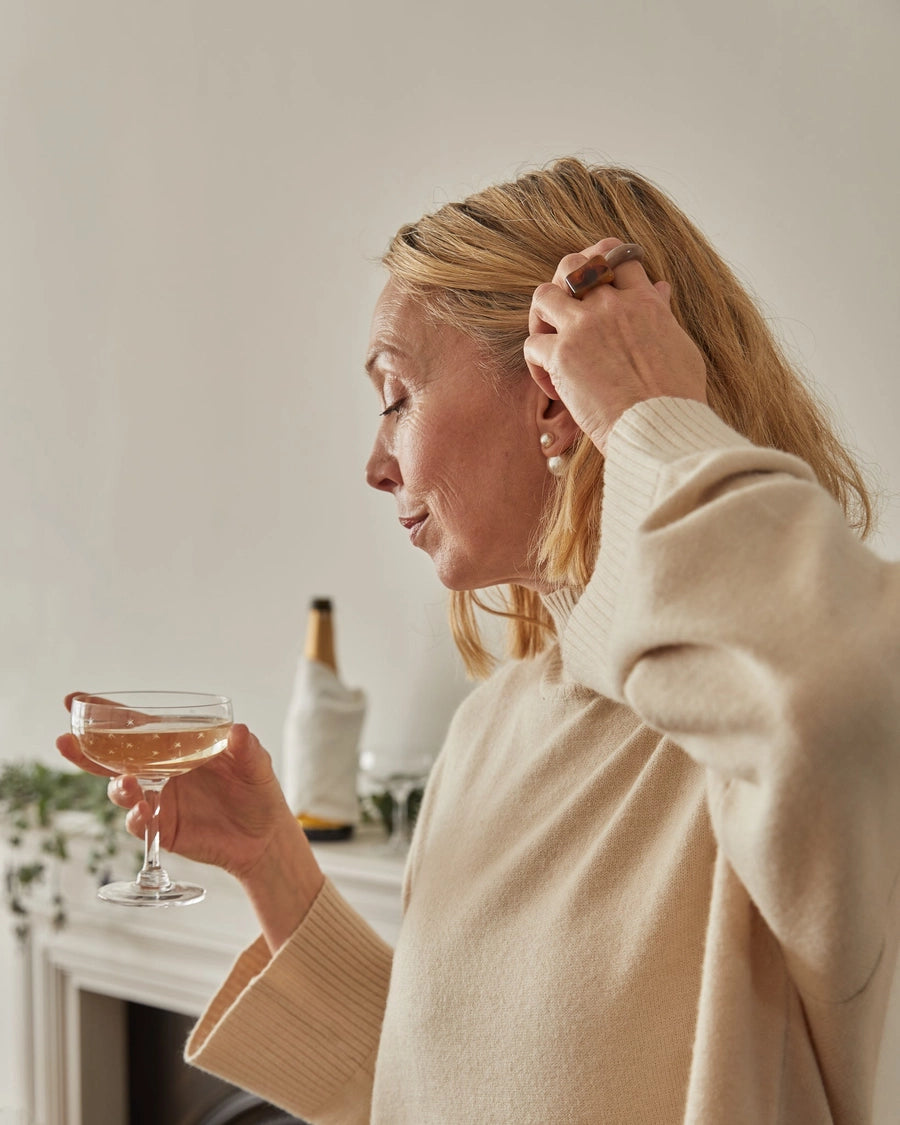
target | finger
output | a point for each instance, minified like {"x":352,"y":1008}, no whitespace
{"x":137,"y":819}
{"x":539,"y":352}
{"x":87,"y":696}
{"x":122,"y":712}
{"x":630,"y":273}
{"x":609,"y":261}
{"x":536,"y":325}
{"x":572,"y":262}
{"x":604,"y":246}
{"x":537,"y":361}
{"x":569,"y":264}
{"x":621,"y":267}
{"x":124,"y":791}
{"x":67,"y":745}
{"x":551,"y":307}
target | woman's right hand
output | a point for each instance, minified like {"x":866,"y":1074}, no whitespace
{"x":230,"y":812}
{"x":617,"y":347}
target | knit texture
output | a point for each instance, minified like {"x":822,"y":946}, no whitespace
{"x":307,"y":1020}
{"x":654,"y":874}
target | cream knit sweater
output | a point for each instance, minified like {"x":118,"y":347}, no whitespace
{"x":654,"y":875}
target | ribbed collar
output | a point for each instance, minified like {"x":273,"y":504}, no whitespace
{"x":560,"y":604}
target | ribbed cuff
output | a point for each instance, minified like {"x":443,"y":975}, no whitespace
{"x":648,"y":438}
{"x":666,"y":429}
{"x":301,"y":1028}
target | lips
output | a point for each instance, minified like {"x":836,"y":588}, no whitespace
{"x":413,"y":524}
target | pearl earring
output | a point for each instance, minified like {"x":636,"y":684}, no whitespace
{"x":558,"y":465}
{"x":560,"y":462}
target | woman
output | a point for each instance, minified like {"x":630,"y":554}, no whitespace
{"x":653,"y":872}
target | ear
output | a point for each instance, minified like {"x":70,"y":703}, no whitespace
{"x":553,"y":418}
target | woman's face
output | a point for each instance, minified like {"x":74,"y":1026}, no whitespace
{"x":460,"y":455}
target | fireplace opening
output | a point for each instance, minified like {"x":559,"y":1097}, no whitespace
{"x":161,"y":1086}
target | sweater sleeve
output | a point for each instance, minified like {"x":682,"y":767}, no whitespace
{"x":733,"y":609}
{"x":301,"y":1029}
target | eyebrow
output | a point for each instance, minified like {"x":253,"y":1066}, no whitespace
{"x":376,"y":354}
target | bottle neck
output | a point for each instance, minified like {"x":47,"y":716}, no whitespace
{"x":320,"y":639}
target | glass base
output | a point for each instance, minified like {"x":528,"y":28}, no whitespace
{"x":391,"y":846}
{"x":133,"y":894}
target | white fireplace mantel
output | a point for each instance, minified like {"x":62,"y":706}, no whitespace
{"x":174,"y":958}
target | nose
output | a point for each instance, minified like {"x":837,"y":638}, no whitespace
{"x":382,"y":470}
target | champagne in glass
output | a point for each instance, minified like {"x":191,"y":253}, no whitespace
{"x":154,"y":735}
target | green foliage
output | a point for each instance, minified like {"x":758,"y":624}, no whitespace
{"x":31,"y":796}
{"x":379,"y":806}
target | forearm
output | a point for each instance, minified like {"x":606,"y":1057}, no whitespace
{"x":733,"y":609}
{"x":283,"y":884}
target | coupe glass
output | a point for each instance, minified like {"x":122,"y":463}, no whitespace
{"x":397,"y":773}
{"x":153,"y":735}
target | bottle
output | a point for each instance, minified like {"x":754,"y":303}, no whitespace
{"x":321,"y":735}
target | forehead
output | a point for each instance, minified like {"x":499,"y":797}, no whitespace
{"x":401,"y":329}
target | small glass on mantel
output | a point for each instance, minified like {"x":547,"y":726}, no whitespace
{"x":398,"y":773}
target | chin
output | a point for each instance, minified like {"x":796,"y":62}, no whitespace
{"x":461,"y":571}
{"x":459,"y":584}
{"x":460,"y":581}
{"x":454,"y":579}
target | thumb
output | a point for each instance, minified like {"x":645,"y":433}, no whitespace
{"x":246,"y":753}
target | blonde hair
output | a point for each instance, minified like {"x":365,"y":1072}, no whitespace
{"x":475,"y":264}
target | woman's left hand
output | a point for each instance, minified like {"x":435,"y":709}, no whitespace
{"x":617,"y":346}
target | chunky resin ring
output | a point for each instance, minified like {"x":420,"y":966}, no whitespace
{"x":601,"y":269}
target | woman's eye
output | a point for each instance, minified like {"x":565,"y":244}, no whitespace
{"x":394,"y":408}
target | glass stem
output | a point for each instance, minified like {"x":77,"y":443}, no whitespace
{"x":152,"y":877}
{"x":400,"y":834}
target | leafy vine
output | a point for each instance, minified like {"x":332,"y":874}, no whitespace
{"x":32,"y":797}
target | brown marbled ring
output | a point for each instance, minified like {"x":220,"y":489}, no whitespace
{"x":601,"y":269}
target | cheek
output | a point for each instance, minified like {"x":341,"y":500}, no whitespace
{"x":437,"y":458}
{"x":465,"y":468}
{"x":411,"y":448}
{"x":447,"y":497}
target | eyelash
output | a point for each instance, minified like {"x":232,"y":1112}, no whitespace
{"x":394,"y":408}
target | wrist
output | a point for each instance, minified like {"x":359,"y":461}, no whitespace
{"x":600,"y":436}
{"x":283,"y":883}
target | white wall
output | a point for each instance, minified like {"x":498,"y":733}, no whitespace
{"x":191,"y":198}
